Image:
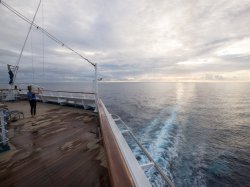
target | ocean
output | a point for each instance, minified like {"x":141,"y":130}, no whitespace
{"x":198,"y":133}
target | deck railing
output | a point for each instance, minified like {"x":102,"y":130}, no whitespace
{"x":84,"y":99}
{"x":130,"y":166}
{"x":124,"y":170}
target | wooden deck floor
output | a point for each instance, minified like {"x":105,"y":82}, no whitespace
{"x":57,"y":148}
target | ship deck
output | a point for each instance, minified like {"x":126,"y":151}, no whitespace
{"x":59,"y":147}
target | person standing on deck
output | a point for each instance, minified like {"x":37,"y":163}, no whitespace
{"x":11,"y":74}
{"x":32,"y":100}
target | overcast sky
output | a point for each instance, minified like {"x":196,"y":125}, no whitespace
{"x":131,"y":40}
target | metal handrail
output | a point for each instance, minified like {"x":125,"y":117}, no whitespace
{"x":52,"y":91}
{"x":68,"y":92}
{"x":169,"y":182}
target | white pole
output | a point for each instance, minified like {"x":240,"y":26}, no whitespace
{"x":96,"y":81}
{"x":96,"y":88}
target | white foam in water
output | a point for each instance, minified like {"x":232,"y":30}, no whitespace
{"x":161,"y":138}
{"x":156,"y":146}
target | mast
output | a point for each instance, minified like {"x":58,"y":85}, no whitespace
{"x":96,"y":88}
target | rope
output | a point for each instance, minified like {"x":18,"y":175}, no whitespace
{"x":43,"y":39}
{"x":19,"y":58}
{"x":44,"y":31}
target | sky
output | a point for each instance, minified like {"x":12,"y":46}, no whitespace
{"x":142,"y":40}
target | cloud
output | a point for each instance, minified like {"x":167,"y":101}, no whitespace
{"x":130,"y":40}
{"x":238,"y":48}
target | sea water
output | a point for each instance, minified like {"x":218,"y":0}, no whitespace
{"x":198,"y":133}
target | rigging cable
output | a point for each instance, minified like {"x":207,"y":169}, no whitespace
{"x":20,"y":55}
{"x":43,"y":38}
{"x":32,"y":57}
{"x":44,"y":31}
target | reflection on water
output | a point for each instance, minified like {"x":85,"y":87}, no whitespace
{"x":197,"y":132}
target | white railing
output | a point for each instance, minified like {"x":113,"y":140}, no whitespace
{"x":84,"y":99}
{"x":135,"y":169}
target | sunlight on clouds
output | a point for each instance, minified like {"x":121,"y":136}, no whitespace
{"x":89,"y":53}
{"x":237,"y":48}
{"x":62,"y":50}
{"x":196,"y":62}
{"x":93,"y":54}
{"x":131,"y":78}
{"x":165,"y":46}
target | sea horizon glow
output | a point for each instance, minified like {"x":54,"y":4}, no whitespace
{"x":142,"y":41}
